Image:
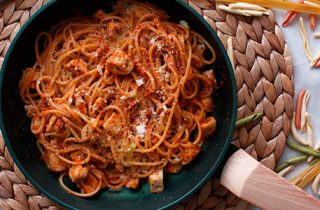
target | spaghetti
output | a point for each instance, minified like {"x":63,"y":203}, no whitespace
{"x":119,"y":97}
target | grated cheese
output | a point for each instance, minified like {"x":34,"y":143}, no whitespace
{"x":79,"y":100}
{"x":161,"y":69}
{"x":164,"y":107}
{"x":159,"y":46}
{"x":122,"y":98}
{"x":140,"y":82}
{"x":92,"y":120}
{"x":131,"y":147}
{"x":141,"y":129}
{"x":167,"y":76}
{"x":153,"y":40}
{"x":99,"y":68}
{"x":184,"y":23}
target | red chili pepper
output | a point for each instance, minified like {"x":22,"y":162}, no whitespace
{"x":289,"y":18}
{"x":298,"y":108}
{"x":313,"y":21}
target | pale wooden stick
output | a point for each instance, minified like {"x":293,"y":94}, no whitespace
{"x":252,"y":181}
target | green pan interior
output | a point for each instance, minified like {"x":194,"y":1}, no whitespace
{"x":21,"y":143}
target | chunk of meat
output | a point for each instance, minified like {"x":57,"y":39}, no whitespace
{"x":156,"y":182}
{"x":77,"y":173}
{"x":31,"y":76}
{"x":211,"y":78}
{"x":54,"y":163}
{"x":207,"y":104}
{"x":36,"y":125}
{"x":113,"y":29}
{"x":31,"y":110}
{"x":132,"y":184}
{"x":208,"y":126}
{"x":99,"y":104}
{"x":173,"y":168}
{"x":200,"y":48}
{"x":78,"y":156}
{"x":209,"y":74}
{"x":190,"y":152}
{"x":119,"y":63}
{"x":89,"y":184}
{"x":113,"y":125}
{"x":209,"y":83}
{"x":77,"y":65}
{"x":80,"y":104}
{"x":59,"y":124}
{"x":56,"y":143}
{"x":86,"y":132}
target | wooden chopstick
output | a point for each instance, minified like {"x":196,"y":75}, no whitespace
{"x":279,"y":4}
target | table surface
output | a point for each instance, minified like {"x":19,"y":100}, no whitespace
{"x":304,"y":78}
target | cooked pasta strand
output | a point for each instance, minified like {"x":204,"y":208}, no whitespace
{"x":306,"y":46}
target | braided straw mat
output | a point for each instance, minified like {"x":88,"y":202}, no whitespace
{"x":265,"y":84}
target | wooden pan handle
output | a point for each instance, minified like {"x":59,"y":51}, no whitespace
{"x":252,"y":181}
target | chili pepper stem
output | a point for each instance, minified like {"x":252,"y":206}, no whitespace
{"x":248,"y":119}
{"x":290,"y":161}
{"x":314,"y":161}
{"x":302,"y":149}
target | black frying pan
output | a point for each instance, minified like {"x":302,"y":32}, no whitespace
{"x":21,"y":142}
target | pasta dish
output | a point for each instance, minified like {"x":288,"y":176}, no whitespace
{"x":119,"y":97}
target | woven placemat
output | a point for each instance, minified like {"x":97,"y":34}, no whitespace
{"x":264,"y":77}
